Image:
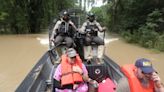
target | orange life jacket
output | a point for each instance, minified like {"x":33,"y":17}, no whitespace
{"x":68,"y":76}
{"x":134,"y":83}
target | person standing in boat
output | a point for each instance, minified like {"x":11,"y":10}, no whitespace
{"x":91,"y":28}
{"x":63,"y":31}
{"x":71,"y":73}
{"x":148,"y":77}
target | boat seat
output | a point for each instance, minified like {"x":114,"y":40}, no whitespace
{"x":97,"y":72}
{"x":63,"y":44}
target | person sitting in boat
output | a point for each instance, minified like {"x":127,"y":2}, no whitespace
{"x":148,"y":76}
{"x":62,"y":31}
{"x":142,"y":76}
{"x":71,"y":73}
{"x":91,"y":28}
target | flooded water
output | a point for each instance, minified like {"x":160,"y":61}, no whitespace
{"x":19,"y":53}
{"x":124,"y":53}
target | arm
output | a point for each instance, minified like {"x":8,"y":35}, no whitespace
{"x":159,"y":87}
{"x":57,"y":74}
{"x":73,"y":25}
{"x":83,"y":72}
{"x":82,"y":29}
{"x":54,"y":29}
{"x":101,"y":29}
{"x":85,"y":76}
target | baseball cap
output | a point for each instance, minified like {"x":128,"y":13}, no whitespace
{"x":145,"y":65}
{"x":71,"y":52}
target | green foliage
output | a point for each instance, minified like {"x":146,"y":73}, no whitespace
{"x":148,"y":36}
{"x":138,"y":21}
{"x":160,"y":43}
{"x":145,"y":36}
{"x":3,"y":16}
{"x":130,"y":14}
{"x":100,"y":14}
{"x":127,"y":36}
{"x":29,"y":16}
{"x":131,"y":38}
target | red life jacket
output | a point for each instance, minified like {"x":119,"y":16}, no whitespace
{"x":134,"y":83}
{"x":68,"y":76}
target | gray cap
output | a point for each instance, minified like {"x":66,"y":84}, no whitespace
{"x":71,"y":52}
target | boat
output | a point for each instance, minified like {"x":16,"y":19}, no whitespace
{"x":40,"y":78}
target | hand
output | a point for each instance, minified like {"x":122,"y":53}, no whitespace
{"x":77,"y":69}
{"x":78,"y":30}
{"x":81,"y":32}
{"x":75,"y":86}
{"x":104,"y":29}
{"x":155,"y":77}
{"x":88,"y":34}
{"x":52,"y":39}
{"x":157,"y":80}
{"x":94,"y":29}
{"x":94,"y":83}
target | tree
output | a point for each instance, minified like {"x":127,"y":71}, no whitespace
{"x":30,"y":16}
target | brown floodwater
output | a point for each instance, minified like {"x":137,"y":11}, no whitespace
{"x":19,"y":53}
{"x":124,"y":53}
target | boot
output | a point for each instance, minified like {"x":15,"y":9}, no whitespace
{"x":100,"y":51}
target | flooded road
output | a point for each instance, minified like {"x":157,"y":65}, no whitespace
{"x":19,"y":53}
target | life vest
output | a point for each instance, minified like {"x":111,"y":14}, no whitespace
{"x":90,"y":28}
{"x":68,"y":76}
{"x":65,"y":29}
{"x":134,"y":83}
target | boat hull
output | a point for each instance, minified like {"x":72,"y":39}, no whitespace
{"x":40,"y":77}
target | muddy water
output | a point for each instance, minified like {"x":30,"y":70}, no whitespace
{"x":124,"y":53}
{"x":19,"y":53}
